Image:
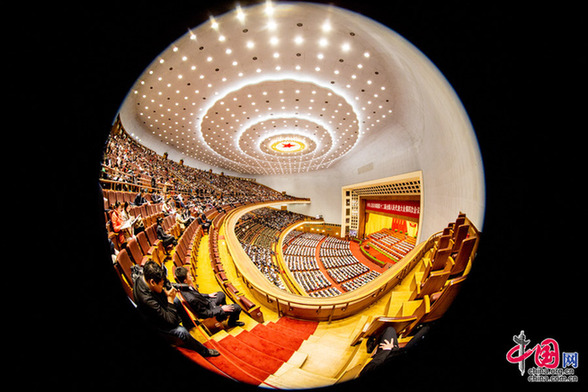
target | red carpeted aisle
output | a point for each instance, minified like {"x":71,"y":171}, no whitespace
{"x":251,"y":356}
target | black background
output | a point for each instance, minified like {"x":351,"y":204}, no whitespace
{"x":518,"y":72}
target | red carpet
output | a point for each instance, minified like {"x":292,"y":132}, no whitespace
{"x":272,"y":332}
{"x":251,"y":356}
{"x":265,"y":346}
{"x":305,"y":326}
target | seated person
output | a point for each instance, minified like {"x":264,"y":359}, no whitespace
{"x":205,"y":223}
{"x":387,"y":347}
{"x":155,"y":198}
{"x":183,"y":218}
{"x":205,"y":305}
{"x":116,"y":218}
{"x":166,"y":239}
{"x":140,"y":199}
{"x":156,"y":305}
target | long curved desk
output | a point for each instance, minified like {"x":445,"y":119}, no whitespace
{"x":310,"y":308}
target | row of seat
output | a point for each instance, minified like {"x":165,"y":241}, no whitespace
{"x":248,"y":306}
{"x":431,"y":290}
{"x":137,"y":251}
{"x":395,"y":244}
{"x":111,"y":197}
{"x":356,"y":283}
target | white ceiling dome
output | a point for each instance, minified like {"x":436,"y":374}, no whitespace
{"x":278,"y":89}
{"x":229,"y":89}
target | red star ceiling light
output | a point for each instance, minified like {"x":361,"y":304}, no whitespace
{"x":289,"y":146}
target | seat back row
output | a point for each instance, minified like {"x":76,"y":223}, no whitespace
{"x":248,"y":306}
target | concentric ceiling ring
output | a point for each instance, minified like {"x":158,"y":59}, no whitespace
{"x":276,"y":111}
{"x":211,"y":94}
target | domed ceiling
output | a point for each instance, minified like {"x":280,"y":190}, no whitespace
{"x":268,"y":89}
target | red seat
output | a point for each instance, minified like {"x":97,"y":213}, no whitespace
{"x":146,"y":247}
{"x":124,"y":263}
{"x":136,"y":253}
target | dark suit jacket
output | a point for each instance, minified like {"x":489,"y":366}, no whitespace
{"x":154,"y":308}
{"x":202,"y":305}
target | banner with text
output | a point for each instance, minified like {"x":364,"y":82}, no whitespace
{"x":411,"y":209}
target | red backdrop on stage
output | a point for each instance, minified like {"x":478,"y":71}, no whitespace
{"x":408,"y":208}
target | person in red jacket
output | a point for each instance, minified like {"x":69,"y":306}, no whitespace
{"x":118,"y":222}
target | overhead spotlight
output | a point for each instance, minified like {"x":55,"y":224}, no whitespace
{"x":269,"y":8}
{"x":240,"y":14}
{"x":326,"y":27}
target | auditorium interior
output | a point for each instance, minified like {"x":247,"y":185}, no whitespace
{"x":338,"y":170}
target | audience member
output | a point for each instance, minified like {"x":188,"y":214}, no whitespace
{"x":166,"y":239}
{"x":388,"y":347}
{"x":205,"y":305}
{"x":140,"y":199}
{"x":118,"y":222}
{"x":155,"y":303}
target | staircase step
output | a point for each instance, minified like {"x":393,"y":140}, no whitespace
{"x":284,"y":339}
{"x":266,"y":346}
{"x":288,"y":331}
{"x":235,"y":367}
{"x":250,"y":355}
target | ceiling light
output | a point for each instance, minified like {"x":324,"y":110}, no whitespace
{"x":345,"y":47}
{"x":240,"y":14}
{"x":326,"y":27}
{"x":298,"y":40}
{"x":269,"y":9}
{"x":323,"y":42}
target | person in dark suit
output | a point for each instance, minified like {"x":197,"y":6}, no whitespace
{"x":205,"y":223}
{"x":388,"y":348}
{"x":204,"y":305}
{"x":166,"y":239}
{"x":140,"y":199}
{"x":155,"y":303}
